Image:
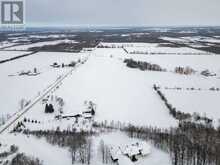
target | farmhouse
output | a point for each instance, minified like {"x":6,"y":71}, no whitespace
{"x":133,"y":151}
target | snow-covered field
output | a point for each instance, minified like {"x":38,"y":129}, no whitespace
{"x":204,"y":102}
{"x":120,"y":94}
{"x":194,"y":41}
{"x":120,"y":45}
{"x":40,"y":44}
{"x":124,"y":94}
{"x":14,"y":88}
{"x":154,"y":48}
{"x":202,"y":39}
{"x":198,"y":62}
{"x":4,"y":55}
{"x":165,"y":50}
{"x":5,"y":44}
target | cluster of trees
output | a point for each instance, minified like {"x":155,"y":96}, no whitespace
{"x":214,"y":89}
{"x":79,"y":144}
{"x":13,"y":149}
{"x":105,"y":153}
{"x":193,"y":89}
{"x":184,"y":70}
{"x":172,"y":110}
{"x":27,"y":120}
{"x":190,"y":143}
{"x":106,"y":126}
{"x":22,"y":159}
{"x":49,"y":108}
{"x":198,"y":117}
{"x":19,"y":127}
{"x":61,"y":103}
{"x":143,"y":65}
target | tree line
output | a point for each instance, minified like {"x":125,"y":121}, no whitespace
{"x":188,"y":144}
{"x":78,"y":143}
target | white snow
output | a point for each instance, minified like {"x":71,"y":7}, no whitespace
{"x":123,"y":44}
{"x":204,"y":102}
{"x":165,"y":50}
{"x":4,"y":55}
{"x":198,"y":62}
{"x":4,"y":44}
{"x":117,"y":139}
{"x":202,"y":39}
{"x":121,"y":94}
{"x":14,"y":88}
{"x":40,"y":44}
{"x":38,"y":148}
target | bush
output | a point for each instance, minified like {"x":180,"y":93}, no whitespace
{"x":21,"y":159}
{"x":49,"y":108}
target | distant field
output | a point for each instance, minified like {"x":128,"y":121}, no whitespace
{"x":38,"y":44}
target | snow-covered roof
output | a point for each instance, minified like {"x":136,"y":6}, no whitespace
{"x":115,"y":153}
{"x":136,"y":149}
{"x":87,"y":115}
{"x":131,"y":150}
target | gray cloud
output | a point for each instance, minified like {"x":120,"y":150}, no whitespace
{"x":123,"y":12}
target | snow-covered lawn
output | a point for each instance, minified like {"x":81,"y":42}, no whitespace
{"x":4,"y":55}
{"x":14,"y":88}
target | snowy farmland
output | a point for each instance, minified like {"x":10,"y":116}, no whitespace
{"x":204,"y":102}
{"x":12,"y":85}
{"x":154,"y":48}
{"x":106,"y":75}
{"x":120,"y":94}
{"x":40,"y":44}
{"x":200,"y":62}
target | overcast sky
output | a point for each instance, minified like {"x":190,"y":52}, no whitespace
{"x":123,"y":12}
